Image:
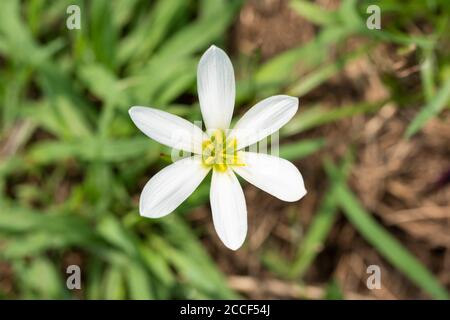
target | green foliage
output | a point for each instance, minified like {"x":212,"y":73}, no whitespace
{"x":84,"y":82}
{"x":74,"y":165}
{"x":436,"y":104}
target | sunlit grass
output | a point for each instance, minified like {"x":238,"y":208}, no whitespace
{"x":72,"y":163}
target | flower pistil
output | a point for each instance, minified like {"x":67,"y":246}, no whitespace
{"x":219,"y":153}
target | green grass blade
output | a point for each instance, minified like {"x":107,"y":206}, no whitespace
{"x":42,"y":278}
{"x":436,"y":105}
{"x":427,"y":73}
{"x":313,"y":242}
{"x":323,"y":73}
{"x":114,"y":284}
{"x":314,"y":13}
{"x":138,"y":282}
{"x":199,"y":34}
{"x":319,"y":115}
{"x":319,"y":228}
{"x":389,"y":247}
{"x":148,"y":34}
{"x":301,"y":149}
{"x":116,"y":151}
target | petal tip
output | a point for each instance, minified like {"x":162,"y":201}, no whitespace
{"x":300,"y":195}
{"x":232,"y":243}
{"x":213,"y":51}
{"x":291,"y":99}
{"x":133,"y":111}
{"x":295,"y":100}
{"x":150,"y":214}
{"x":295,"y":103}
{"x":213,"y":47}
{"x":143,"y":212}
{"x":234,"y":246}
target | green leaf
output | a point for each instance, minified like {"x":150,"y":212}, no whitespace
{"x":319,"y":228}
{"x":114,"y":284}
{"x":36,"y":232}
{"x":42,"y":277}
{"x":115,"y":233}
{"x":103,"y":32}
{"x":301,"y":149}
{"x":102,"y":82}
{"x":156,"y":78}
{"x":138,"y":282}
{"x":187,"y":254}
{"x":427,"y":75}
{"x":315,"y":237}
{"x":158,"y":265}
{"x":148,"y":34}
{"x":93,"y":150}
{"x":279,"y":70}
{"x":323,"y":73}
{"x":318,"y":115}
{"x":314,"y":13}
{"x":94,"y":279}
{"x":430,"y":110}
{"x":199,"y":34}
{"x":333,"y":291}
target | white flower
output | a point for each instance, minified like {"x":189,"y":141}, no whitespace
{"x":219,"y":149}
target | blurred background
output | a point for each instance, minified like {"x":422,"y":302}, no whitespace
{"x":371,"y":139}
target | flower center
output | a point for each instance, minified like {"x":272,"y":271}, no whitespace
{"x":219,"y":153}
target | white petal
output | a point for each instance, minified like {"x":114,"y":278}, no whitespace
{"x":228,"y":209}
{"x":274,"y":175}
{"x":263,"y":119}
{"x":216,"y":88}
{"x":168,"y":129}
{"x":167,"y":189}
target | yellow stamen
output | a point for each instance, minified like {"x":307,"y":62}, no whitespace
{"x":219,"y":153}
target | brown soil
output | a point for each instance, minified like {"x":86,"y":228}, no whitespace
{"x":396,"y":180}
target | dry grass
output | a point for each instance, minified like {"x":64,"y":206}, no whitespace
{"x":395,"y":178}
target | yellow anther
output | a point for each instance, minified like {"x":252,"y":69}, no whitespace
{"x":220,"y":167}
{"x":209,"y":161}
{"x":219,"y":153}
